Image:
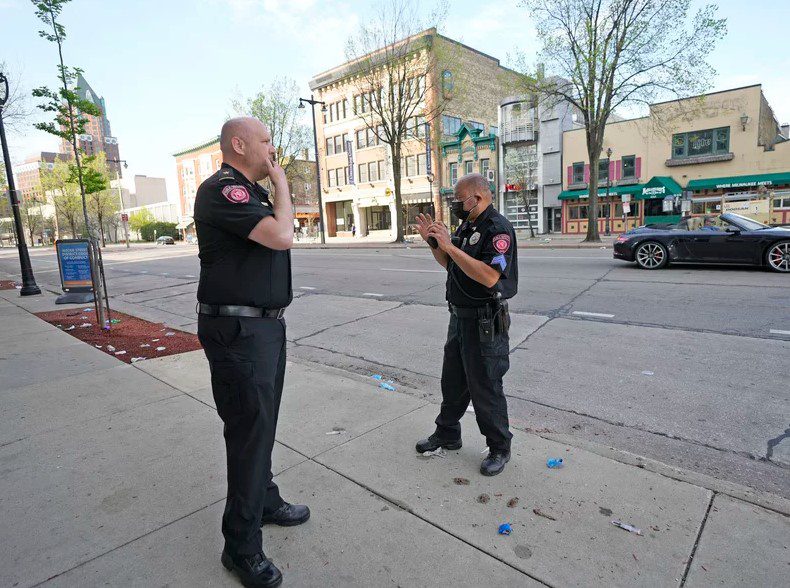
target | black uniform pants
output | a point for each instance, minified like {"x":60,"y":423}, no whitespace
{"x":247,"y":359}
{"x":473,"y":371}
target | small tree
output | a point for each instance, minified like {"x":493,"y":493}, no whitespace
{"x":278,"y":107}
{"x":394,"y":75}
{"x":30,"y":209}
{"x":137,"y":220}
{"x":68,"y":108}
{"x":521,"y":164}
{"x":612,"y":53}
{"x":102,"y":202}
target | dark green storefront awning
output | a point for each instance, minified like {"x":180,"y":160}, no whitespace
{"x":659,"y":187}
{"x":740,"y":181}
{"x":613,"y":191}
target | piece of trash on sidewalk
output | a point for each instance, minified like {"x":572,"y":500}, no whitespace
{"x":136,"y":359}
{"x":440,"y":452}
{"x":513,"y":502}
{"x":505,"y":529}
{"x":120,"y":353}
{"x":554,"y":462}
{"x":169,"y":334}
{"x":97,"y":346}
{"x":627,"y":527}
{"x":161,"y":348}
{"x":71,"y":328}
{"x":154,"y":340}
{"x":110,"y":348}
{"x":145,"y":345}
{"x":647,"y":373}
{"x":115,"y":321}
{"x":483,"y":499}
{"x":85,"y":325}
{"x":387,"y":386}
{"x":540,"y":513}
{"x":461,"y":481}
{"x":378,"y":377}
{"x":87,"y":310}
{"x":336,"y":431}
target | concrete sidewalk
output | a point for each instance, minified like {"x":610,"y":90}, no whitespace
{"x":113,"y":474}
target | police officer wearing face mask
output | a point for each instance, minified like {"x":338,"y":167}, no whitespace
{"x":245,"y":285}
{"x":482,"y":273}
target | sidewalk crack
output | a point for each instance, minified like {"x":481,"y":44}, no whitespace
{"x":696,"y":542}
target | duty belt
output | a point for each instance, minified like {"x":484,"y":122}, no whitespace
{"x":237,"y":310}
{"x":476,"y":311}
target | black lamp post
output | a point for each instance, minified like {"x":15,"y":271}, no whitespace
{"x":312,"y":103}
{"x":29,"y":286}
{"x":608,"y":183}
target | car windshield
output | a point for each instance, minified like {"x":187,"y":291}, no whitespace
{"x":747,"y":223}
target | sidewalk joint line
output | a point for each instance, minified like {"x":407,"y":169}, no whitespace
{"x":352,"y":321}
{"x":696,"y":542}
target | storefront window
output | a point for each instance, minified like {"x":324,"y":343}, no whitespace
{"x":578,"y":172}
{"x":629,"y":166}
{"x":603,"y":170}
{"x":378,"y":218}
{"x":603,"y":210}
{"x":618,"y":209}
{"x":468,"y":167}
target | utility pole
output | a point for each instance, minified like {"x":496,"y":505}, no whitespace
{"x":312,"y":103}
{"x":124,"y":219}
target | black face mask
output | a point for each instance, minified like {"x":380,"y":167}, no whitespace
{"x":457,"y":208}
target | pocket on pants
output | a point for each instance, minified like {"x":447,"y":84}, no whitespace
{"x":496,"y":356}
{"x":229,"y":380}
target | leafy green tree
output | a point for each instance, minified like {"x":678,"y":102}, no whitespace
{"x":62,"y":190}
{"x":607,"y":54}
{"x":64,"y":104}
{"x":137,"y":220}
{"x":102,"y":202}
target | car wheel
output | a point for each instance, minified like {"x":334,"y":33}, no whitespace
{"x":651,"y":255}
{"x":778,"y":257}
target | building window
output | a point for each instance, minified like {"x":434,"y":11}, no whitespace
{"x":629,"y":166}
{"x":484,"y":165}
{"x":578,"y":172}
{"x":492,"y":130}
{"x":453,"y":173}
{"x":330,"y":146}
{"x":476,"y":125}
{"x":450,"y":124}
{"x":603,"y":170}
{"x":447,"y":81}
{"x":700,"y":143}
{"x":331,"y":178}
{"x":378,"y":218}
{"x":361,"y":143}
{"x":345,"y":107}
{"x":411,"y":166}
{"x":363,"y":172}
{"x":468,"y":167}
{"x":339,"y":147}
{"x":373,"y":171}
{"x":577,"y":212}
{"x":422,"y":164}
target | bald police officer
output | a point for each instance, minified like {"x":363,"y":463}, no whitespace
{"x":482,"y":273}
{"x":245,"y":286}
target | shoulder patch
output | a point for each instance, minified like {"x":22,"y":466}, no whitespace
{"x":236,"y":194}
{"x":501,"y":242}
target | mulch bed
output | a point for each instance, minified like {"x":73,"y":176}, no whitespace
{"x":7,"y":285}
{"x":130,"y":339}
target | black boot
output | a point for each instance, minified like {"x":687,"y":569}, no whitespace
{"x":495,"y":462}
{"x":433,"y":443}
{"x":288,"y":515}
{"x":254,"y":571}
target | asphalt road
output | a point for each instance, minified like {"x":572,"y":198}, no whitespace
{"x":688,"y":365}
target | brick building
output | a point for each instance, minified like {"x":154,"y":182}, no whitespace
{"x":467,"y":83}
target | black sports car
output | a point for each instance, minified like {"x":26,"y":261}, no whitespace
{"x":727,"y":238}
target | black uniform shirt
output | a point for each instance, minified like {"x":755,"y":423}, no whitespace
{"x":234,"y":269}
{"x":489,"y":238}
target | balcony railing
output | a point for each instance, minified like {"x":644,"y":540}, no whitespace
{"x":517,"y":131}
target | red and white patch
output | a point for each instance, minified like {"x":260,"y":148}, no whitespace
{"x":236,"y":194}
{"x":502,"y":242}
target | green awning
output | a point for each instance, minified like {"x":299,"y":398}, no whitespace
{"x":613,"y":191}
{"x":740,"y":181}
{"x":659,"y":187}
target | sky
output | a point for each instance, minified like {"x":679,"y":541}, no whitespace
{"x":169,"y":69}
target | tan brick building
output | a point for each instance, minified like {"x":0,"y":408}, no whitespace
{"x":468,"y":84}
{"x":723,"y":151}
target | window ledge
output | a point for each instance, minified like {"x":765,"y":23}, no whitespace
{"x":627,"y":181}
{"x":579,"y":186}
{"x":699,"y":159}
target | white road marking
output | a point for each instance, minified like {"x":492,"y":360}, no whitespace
{"x":420,"y":271}
{"x":372,"y":294}
{"x":190,"y":276}
{"x":596,"y":314}
{"x":306,"y":288}
{"x":778,"y":332}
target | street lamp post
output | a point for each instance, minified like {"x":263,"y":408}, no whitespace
{"x":608,"y":183}
{"x":29,"y":286}
{"x":312,"y":103}
{"x":120,"y":195}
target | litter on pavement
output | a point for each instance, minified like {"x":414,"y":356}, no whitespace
{"x":440,"y":452}
{"x":554,"y":462}
{"x":647,"y":373}
{"x":115,"y":321}
{"x":513,"y":502}
{"x":85,"y":325}
{"x":505,"y":529}
{"x":540,"y":513}
{"x":120,"y":353}
{"x":136,"y":359}
{"x":483,"y":499}
{"x":627,"y":527}
{"x":387,"y":386}
{"x":161,"y":348}
{"x":461,"y":481}
{"x":71,"y":328}
{"x":110,"y":348}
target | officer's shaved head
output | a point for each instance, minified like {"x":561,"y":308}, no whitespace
{"x":246,"y":144}
{"x":472,"y":184}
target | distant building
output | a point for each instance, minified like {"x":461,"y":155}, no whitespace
{"x":98,"y":136}
{"x":27,"y":175}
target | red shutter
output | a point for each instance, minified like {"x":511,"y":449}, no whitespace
{"x":586,"y":173}
{"x":619,"y":173}
{"x":611,"y":170}
{"x":570,"y":175}
{"x":638,"y":166}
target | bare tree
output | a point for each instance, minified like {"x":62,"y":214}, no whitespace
{"x":521,"y":164}
{"x":613,"y":53}
{"x":58,"y":185}
{"x":16,"y":110}
{"x":397,"y":87}
{"x":278,"y":107}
